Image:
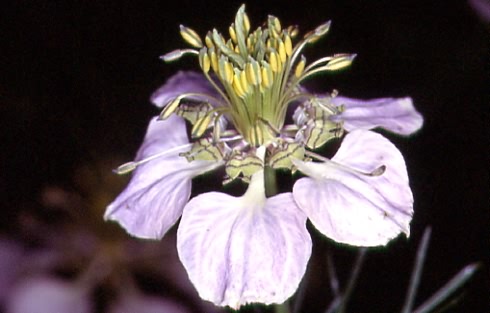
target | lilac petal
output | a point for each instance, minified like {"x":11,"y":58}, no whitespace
{"x":239,"y":250}
{"x":397,"y":115}
{"x":159,"y":189}
{"x":48,"y":295}
{"x":355,"y":208}
{"x":11,"y":256}
{"x":481,"y":8}
{"x":184,"y":82}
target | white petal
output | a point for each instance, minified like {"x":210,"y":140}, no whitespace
{"x":354,"y":208}
{"x":239,"y":250}
{"x":159,"y":189}
{"x":48,"y":295}
{"x":397,"y":115}
{"x":180,"y":83}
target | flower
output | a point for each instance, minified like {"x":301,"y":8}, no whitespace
{"x":255,"y":248}
{"x":46,"y":295}
{"x":88,"y":269}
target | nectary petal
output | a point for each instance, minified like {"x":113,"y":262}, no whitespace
{"x":397,"y":115}
{"x":350,"y":200}
{"x":240,"y":250}
{"x":159,"y":189}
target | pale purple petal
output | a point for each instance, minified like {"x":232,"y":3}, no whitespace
{"x":48,"y":295}
{"x":11,"y":256}
{"x":239,"y":250}
{"x":354,"y":208}
{"x":159,"y":189}
{"x":481,"y":8}
{"x":184,"y":82}
{"x":397,"y":115}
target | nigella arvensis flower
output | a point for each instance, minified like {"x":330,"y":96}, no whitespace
{"x":255,"y":248}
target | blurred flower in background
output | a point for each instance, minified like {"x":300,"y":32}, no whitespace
{"x":63,"y":261}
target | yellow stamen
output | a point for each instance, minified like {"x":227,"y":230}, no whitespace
{"x":267,"y":75}
{"x":288,"y":45}
{"x":246,"y":22}
{"x":209,"y":41}
{"x":244,"y":82}
{"x":340,"y":61}
{"x":204,"y":60}
{"x":237,"y":86}
{"x":190,"y":36}
{"x":277,"y":24}
{"x":274,"y":62}
{"x":226,"y":70}
{"x":170,"y":108}
{"x":282,"y":51}
{"x":201,"y":125}
{"x":232,"y":33}
{"x":300,"y":67}
{"x":214,"y":60}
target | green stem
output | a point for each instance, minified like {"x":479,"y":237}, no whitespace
{"x":270,"y":182}
{"x":281,"y":308}
{"x":417,"y":271}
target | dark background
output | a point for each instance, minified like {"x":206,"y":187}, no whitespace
{"x":77,"y":75}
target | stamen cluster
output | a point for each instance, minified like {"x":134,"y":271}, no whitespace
{"x":257,"y":75}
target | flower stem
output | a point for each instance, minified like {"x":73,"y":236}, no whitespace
{"x":281,"y":308}
{"x":270,"y":182}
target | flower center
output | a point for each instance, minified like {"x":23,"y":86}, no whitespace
{"x":257,"y":75}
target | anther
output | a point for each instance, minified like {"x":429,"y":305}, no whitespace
{"x":169,"y":108}
{"x":300,"y":67}
{"x":244,"y":82}
{"x":274,"y":62}
{"x":233,"y":33}
{"x":379,"y":171}
{"x":131,"y":166}
{"x":340,"y":61}
{"x":237,"y":85}
{"x":226,"y":70}
{"x":177,"y":54}
{"x":204,"y":60}
{"x":266,"y":75}
{"x":190,"y":36}
{"x":282,"y":51}
{"x":214,"y":60}
{"x":125,"y":168}
{"x":246,"y":22}
{"x":288,"y":45}
{"x":323,"y":29}
{"x":209,"y":41}
{"x":201,"y":125}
